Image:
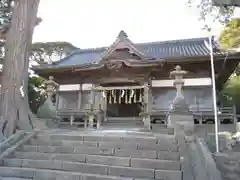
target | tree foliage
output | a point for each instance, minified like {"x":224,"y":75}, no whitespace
{"x":6,"y":7}
{"x":47,"y":52}
{"x":41,"y":52}
{"x":5,"y":17}
{"x":208,"y":11}
{"x":36,"y":95}
{"x":230,"y":36}
{"x":232,"y":89}
{"x":230,"y":93}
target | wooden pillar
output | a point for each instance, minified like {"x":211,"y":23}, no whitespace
{"x":235,"y":120}
{"x":150,"y":102}
{"x":148,"y":105}
{"x":79,"y":97}
{"x":201,"y":120}
{"x":71,"y":120}
{"x":104,"y":107}
{"x":97,"y":106}
{"x":91,"y":107}
{"x":99,"y":119}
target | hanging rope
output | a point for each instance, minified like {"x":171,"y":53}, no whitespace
{"x":135,"y":96}
{"x":121,"y":96}
{"x":110,"y":97}
{"x":126,"y":97}
{"x":114,"y":96}
{"x":131,"y":96}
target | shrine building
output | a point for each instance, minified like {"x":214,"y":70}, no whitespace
{"x":129,"y":80}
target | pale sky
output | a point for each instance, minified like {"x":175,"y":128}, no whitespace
{"x":96,"y":23}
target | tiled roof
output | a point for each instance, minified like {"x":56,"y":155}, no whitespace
{"x":195,"y":47}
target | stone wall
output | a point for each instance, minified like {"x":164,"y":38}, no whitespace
{"x":229,"y":165}
{"x":201,"y":130}
{"x":236,"y":147}
{"x":196,"y":97}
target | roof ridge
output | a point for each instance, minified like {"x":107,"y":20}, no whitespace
{"x":92,"y":49}
{"x":146,"y":43}
{"x":187,"y":40}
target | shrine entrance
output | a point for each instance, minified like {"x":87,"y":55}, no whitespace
{"x":123,"y":100}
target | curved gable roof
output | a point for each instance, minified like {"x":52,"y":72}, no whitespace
{"x":195,"y":47}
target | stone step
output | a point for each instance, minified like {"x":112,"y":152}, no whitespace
{"x":14,"y":178}
{"x":123,"y":122}
{"x":123,"y":125}
{"x":140,"y":124}
{"x":125,"y":119}
{"x":58,"y":142}
{"x":43,"y":174}
{"x":162,"y":129}
{"x":136,"y":153}
{"x":49,"y":156}
{"x":104,"y":160}
{"x":89,"y":168}
{"x":162,"y":155}
{"x":130,"y":138}
{"x":163,"y":145}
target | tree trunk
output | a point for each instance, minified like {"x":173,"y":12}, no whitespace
{"x":15,"y":112}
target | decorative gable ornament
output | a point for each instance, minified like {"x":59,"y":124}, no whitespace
{"x":114,"y":65}
{"x":122,"y":35}
{"x":122,"y":42}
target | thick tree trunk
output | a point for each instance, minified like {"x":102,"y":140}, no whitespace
{"x":15,"y":112}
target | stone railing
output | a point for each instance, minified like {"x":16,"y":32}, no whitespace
{"x":82,"y":114}
{"x":11,"y":141}
{"x":196,"y":160}
{"x":204,"y":164}
{"x":225,"y":113}
{"x":229,"y":165}
{"x":9,"y":145}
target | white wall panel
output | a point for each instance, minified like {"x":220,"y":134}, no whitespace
{"x":187,"y":82}
{"x":155,"y":83}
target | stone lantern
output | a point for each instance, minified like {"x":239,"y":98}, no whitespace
{"x":179,"y":114}
{"x":51,"y":87}
{"x":179,"y":104}
{"x":48,"y":110}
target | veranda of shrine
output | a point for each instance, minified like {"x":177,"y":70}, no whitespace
{"x":125,"y":80}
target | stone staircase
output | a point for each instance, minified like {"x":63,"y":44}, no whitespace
{"x":94,"y":155}
{"x":132,"y":122}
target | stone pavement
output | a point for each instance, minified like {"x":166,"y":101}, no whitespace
{"x":104,"y":154}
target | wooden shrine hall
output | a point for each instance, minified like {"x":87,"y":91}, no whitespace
{"x":131,"y":80}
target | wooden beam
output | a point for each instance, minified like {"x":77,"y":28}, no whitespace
{"x":101,"y":88}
